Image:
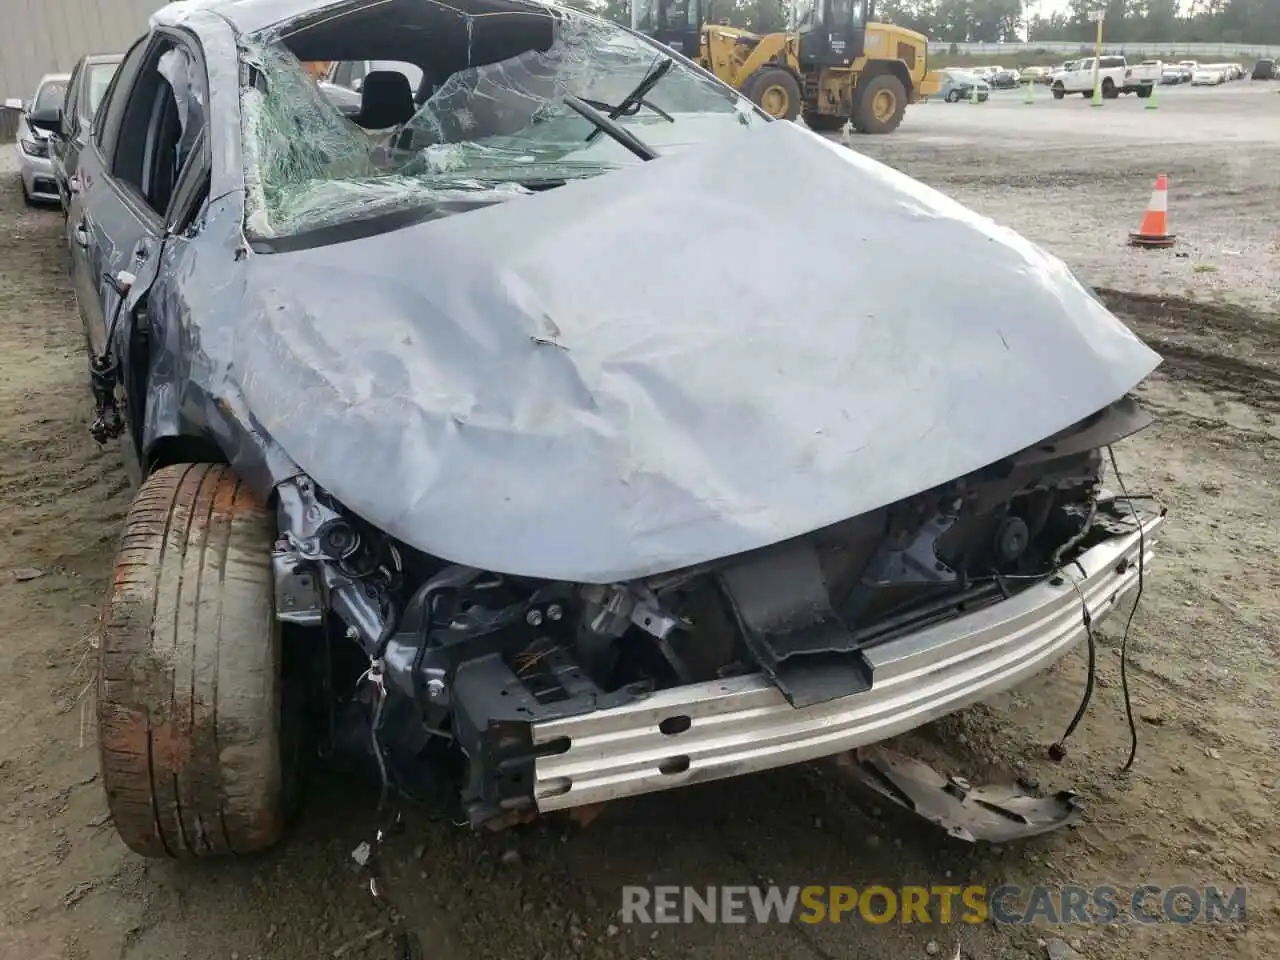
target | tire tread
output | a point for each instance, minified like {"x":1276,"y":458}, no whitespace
{"x":189,"y":688}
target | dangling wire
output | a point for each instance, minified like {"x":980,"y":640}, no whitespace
{"x":407,"y":945}
{"x":1059,"y":749}
{"x":1124,"y":641}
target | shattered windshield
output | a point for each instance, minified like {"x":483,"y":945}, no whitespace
{"x":50,"y":96}
{"x":487,"y":133}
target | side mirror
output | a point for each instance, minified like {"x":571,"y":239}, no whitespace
{"x":357,"y":84}
{"x":50,"y":118}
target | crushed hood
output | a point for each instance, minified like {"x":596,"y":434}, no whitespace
{"x":670,"y":363}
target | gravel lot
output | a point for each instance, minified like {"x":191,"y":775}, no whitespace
{"x":1199,"y":808}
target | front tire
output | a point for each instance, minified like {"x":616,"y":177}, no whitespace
{"x":189,"y":680}
{"x":1059,"y":92}
{"x":881,"y":105}
{"x":953,"y":96}
{"x":775,"y":91}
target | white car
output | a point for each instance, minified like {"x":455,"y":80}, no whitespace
{"x":1208,"y":77}
{"x":42,"y":114}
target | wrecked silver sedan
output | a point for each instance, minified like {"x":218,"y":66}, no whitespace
{"x":558,"y":431}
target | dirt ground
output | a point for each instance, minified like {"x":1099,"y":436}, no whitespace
{"x":1199,"y":807}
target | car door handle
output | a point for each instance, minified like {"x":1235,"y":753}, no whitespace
{"x":142,"y":250}
{"x":82,"y":234}
{"x":73,"y":184}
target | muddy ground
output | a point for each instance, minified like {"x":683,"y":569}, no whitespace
{"x":1199,"y":807}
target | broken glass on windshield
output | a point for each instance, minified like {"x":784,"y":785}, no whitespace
{"x":488,"y":132}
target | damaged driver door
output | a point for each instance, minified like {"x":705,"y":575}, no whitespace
{"x":151,"y":137}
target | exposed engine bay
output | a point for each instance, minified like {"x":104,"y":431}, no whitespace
{"x":463,"y":661}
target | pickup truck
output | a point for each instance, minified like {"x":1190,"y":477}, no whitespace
{"x":1116,"y":77}
{"x":1152,"y":70}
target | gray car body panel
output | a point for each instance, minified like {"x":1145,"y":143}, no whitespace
{"x":668,"y":364}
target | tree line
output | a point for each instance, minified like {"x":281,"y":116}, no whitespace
{"x":1156,"y":21}
{"x":989,"y":21}
{"x":761,"y":16}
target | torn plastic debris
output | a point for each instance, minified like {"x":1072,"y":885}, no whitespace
{"x":361,"y":853}
{"x":967,"y":812}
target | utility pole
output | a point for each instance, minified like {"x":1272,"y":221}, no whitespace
{"x":1098,"y":15}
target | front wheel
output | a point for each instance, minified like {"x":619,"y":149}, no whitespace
{"x":953,"y":96}
{"x":775,"y":91}
{"x":1059,"y":93}
{"x":881,"y":105}
{"x":190,"y":718}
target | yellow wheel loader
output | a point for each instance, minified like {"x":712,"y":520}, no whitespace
{"x":834,"y":65}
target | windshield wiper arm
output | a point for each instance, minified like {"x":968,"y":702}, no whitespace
{"x":631,"y":102}
{"x":611,"y":127}
{"x":609,"y":107}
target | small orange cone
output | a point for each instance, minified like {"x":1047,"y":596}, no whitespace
{"x":1154,"y":231}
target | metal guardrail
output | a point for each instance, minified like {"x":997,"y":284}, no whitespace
{"x":1184,"y":50}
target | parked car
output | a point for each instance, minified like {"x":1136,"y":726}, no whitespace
{"x":1005,"y":79}
{"x":431,"y":454}
{"x":1115,"y":77}
{"x":1208,"y":76}
{"x":88,"y":82}
{"x":1265,"y":69}
{"x":1171,"y":74}
{"x":1188,"y":68}
{"x":1035,"y":75}
{"x":957,"y":85}
{"x":40,"y":116}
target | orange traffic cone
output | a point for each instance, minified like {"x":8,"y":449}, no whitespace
{"x":1154,"y":231}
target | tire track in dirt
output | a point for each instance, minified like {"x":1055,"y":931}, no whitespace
{"x":1223,"y":348}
